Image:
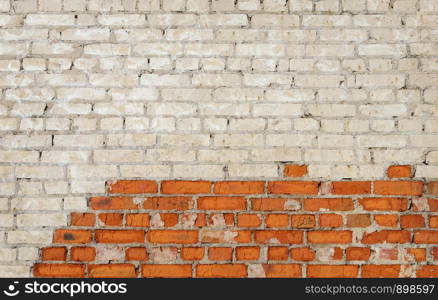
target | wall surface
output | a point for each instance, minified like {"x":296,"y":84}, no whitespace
{"x":324,"y":95}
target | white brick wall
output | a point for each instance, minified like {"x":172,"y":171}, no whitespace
{"x":92,"y":90}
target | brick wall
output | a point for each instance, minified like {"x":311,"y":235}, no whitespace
{"x":101,"y":91}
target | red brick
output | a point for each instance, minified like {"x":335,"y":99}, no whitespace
{"x":83,"y":253}
{"x":59,"y":270}
{"x":330,"y":220}
{"x":112,"y":203}
{"x":351,"y":187}
{"x":387,"y":236}
{"x":334,"y":204}
{"x":329,"y":237}
{"x":220,"y":253}
{"x":166,"y":271}
{"x":332,"y":271}
{"x":293,"y":187}
{"x":137,"y":220}
{"x":279,"y":236}
{"x":222,"y":203}
{"x":380,"y":271}
{"x":222,"y":270}
{"x":386,"y":220}
{"x":426,"y":237}
{"x":168,"y":203}
{"x":358,"y":220}
{"x":277,"y":220}
{"x":278,"y":253}
{"x":399,"y":171}
{"x":358,"y":253}
{"x":433,"y":221}
{"x":227,"y":218}
{"x":192,"y":253}
{"x":133,"y":187}
{"x":83,"y":219}
{"x":427,"y":272}
{"x":239,"y":187}
{"x":173,"y":236}
{"x":303,"y":221}
{"x":136,"y":253}
{"x":247,"y":253}
{"x":432,"y":188}
{"x":112,"y":271}
{"x":119,"y":236}
{"x":302,"y":254}
{"x":54,"y":253}
{"x":111,"y":219}
{"x":282,"y":270}
{"x":185,"y":187}
{"x":221,"y":236}
{"x":412,"y":221}
{"x":271,"y":204}
{"x":248,"y":220}
{"x":295,"y":170}
{"x":414,"y":188}
{"x":419,"y":254}
{"x":389,"y":204}
{"x":66,"y":236}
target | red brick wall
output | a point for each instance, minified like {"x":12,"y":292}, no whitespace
{"x":292,"y":227}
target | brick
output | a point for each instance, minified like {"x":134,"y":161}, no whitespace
{"x":136,"y":253}
{"x":432,"y":188}
{"x":380,"y":271}
{"x":222,"y":203}
{"x":418,"y":254}
{"x":332,"y":271}
{"x":427,"y":272}
{"x":168,"y":203}
{"x":295,"y":170}
{"x":111,"y":219}
{"x":137,"y":220}
{"x":302,"y":254}
{"x":278,"y":253}
{"x":106,"y":203}
{"x":112,"y":271}
{"x":220,"y":253}
{"x":387,"y":236}
{"x":277,"y":220}
{"x":119,"y":236}
{"x":399,"y":171}
{"x":239,"y":187}
{"x":279,"y":237}
{"x":386,"y":220}
{"x":330,"y":220}
{"x":293,"y":187}
{"x":173,"y":236}
{"x":192,"y":253}
{"x":223,"y":270}
{"x":329,"y":237}
{"x":248,"y":220}
{"x":303,"y":221}
{"x":247,"y":253}
{"x":414,"y":188}
{"x":426,"y":237}
{"x":54,"y":253}
{"x":351,"y":187}
{"x":282,"y":270}
{"x":382,"y":204}
{"x":66,"y":236}
{"x":322,"y":204}
{"x":83,"y":219}
{"x":83,"y":253}
{"x":59,"y":270}
{"x":185,"y":187}
{"x":358,"y":253}
{"x":133,"y":187}
{"x":166,"y":271}
{"x":358,"y":220}
{"x":270,"y":204}
{"x":412,"y":221}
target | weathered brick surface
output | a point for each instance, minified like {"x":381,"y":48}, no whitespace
{"x":214,"y":98}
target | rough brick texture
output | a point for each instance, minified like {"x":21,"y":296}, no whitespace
{"x":300,"y":228}
{"x":230,"y":109}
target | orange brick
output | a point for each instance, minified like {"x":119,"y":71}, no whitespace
{"x":389,"y":204}
{"x":166,"y":271}
{"x":66,"y":236}
{"x":386,"y":220}
{"x":137,"y":220}
{"x":295,"y":170}
{"x":82,"y":219}
{"x":433,"y":221}
{"x":414,"y":188}
{"x":133,"y":187}
{"x":247,"y":253}
{"x":111,"y":219}
{"x":173,"y":236}
{"x":412,"y":221}
{"x":302,"y":254}
{"x":329,"y":237}
{"x":293,"y":187}
{"x":358,"y":253}
{"x":168,"y":203}
{"x":279,"y":236}
{"x":192,"y":253}
{"x":419,"y":254}
{"x":220,"y":253}
{"x":277,"y":220}
{"x":248,"y":220}
{"x":380,"y":271}
{"x":282,"y":270}
{"x":358,"y":220}
{"x":54,"y":253}
{"x":388,"y":236}
{"x":351,"y":187}
{"x":332,"y":271}
{"x":334,"y":204}
{"x":278,"y":253}
{"x":433,"y":204}
{"x":222,"y":270}
{"x":222,"y":203}
{"x":59,"y":270}
{"x":330,"y":220}
{"x":399,"y":171}
{"x":185,"y":187}
{"x":113,"y":203}
{"x":221,"y":236}
{"x":427,"y":272}
{"x":239,"y":187}
{"x":426,"y":237}
{"x":169,"y":220}
{"x":435,"y":253}
{"x":227,"y":218}
{"x":112,"y":271}
{"x":432,"y":188}
{"x":83,"y":253}
{"x":119,"y":236}
{"x":271,"y":204}
{"x":303,"y":221}
{"x":136,"y":253}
